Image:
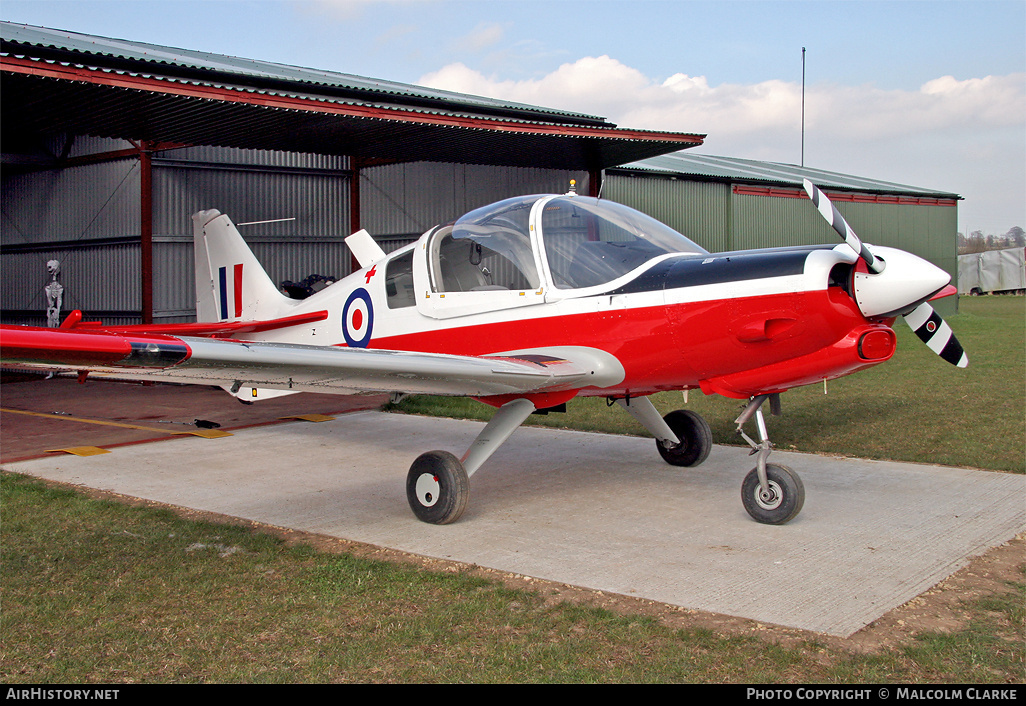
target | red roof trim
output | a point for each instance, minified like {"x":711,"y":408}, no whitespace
{"x":176,"y":87}
{"x":789,"y":193}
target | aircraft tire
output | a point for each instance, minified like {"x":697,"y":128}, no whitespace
{"x":437,"y":488}
{"x":787,"y":495}
{"x":695,"y":436}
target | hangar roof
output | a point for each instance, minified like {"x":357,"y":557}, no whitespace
{"x":772,"y":173}
{"x":57,"y":81}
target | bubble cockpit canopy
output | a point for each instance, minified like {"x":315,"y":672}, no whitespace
{"x":590,"y":242}
{"x":584,"y":241}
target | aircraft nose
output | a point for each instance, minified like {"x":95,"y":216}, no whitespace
{"x":906,"y":281}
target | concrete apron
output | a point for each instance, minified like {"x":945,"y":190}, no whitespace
{"x":593,"y":510}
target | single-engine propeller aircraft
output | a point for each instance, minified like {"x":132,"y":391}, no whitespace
{"x":526,"y":304}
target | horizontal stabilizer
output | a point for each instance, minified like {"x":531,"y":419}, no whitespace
{"x":218,"y":329}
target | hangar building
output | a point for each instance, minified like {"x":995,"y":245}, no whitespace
{"x":110,"y":145}
{"x":728,"y":204}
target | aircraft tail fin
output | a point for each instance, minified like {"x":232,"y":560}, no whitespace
{"x":231,"y":284}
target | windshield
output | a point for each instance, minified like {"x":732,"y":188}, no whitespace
{"x":589,"y":242}
{"x":489,"y":248}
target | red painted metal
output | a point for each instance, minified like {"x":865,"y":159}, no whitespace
{"x":238,"y":290}
{"x":702,"y":344}
{"x":215,"y":329}
{"x":788,"y":193}
{"x":282,"y":101}
{"x":30,"y":344}
{"x":146,"y":230}
{"x":355,"y":215}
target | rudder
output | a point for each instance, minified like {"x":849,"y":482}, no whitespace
{"x":231,"y":284}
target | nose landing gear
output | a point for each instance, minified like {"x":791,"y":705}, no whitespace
{"x":771,"y":493}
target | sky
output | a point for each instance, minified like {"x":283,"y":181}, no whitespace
{"x":930,"y":93}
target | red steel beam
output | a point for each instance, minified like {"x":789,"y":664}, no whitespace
{"x":146,"y":230}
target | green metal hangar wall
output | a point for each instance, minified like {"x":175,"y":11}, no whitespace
{"x":109,"y":146}
{"x":736,"y":204}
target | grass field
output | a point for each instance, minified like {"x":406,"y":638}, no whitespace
{"x":101,"y":592}
{"x":95,"y":591}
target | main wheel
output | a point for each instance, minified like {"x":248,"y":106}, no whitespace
{"x":695,"y":439}
{"x":784,"y":500}
{"x":437,"y":487}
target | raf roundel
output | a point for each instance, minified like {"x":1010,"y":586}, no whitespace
{"x":358,"y":319}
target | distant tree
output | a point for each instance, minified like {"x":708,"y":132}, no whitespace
{"x":976,"y":241}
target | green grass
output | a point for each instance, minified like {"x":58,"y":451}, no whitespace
{"x":914,"y":407}
{"x":100,"y":592}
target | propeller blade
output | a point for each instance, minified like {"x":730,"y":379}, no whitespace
{"x":837,"y":222}
{"x":936,"y":334}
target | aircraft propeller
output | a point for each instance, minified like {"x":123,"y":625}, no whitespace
{"x":901,"y":291}
{"x":837,"y":222}
{"x":936,"y":334}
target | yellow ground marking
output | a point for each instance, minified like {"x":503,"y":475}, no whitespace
{"x":205,"y":433}
{"x":310,"y":417}
{"x":80,"y":451}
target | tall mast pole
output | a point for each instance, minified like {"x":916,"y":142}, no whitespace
{"x":803,"y":106}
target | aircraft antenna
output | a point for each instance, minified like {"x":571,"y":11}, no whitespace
{"x":273,"y":220}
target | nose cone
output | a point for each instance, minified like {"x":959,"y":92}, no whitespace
{"x":906,"y":281}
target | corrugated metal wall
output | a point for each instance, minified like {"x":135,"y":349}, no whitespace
{"x":100,"y":279}
{"x":248,"y":185}
{"x":91,"y":201}
{"x":718,"y":219}
{"x":699,"y":210}
{"x":400,"y":202}
{"x":88,"y":217}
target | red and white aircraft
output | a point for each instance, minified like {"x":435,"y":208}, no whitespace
{"x":526,"y":304}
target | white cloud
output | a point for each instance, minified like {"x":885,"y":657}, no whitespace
{"x":484,"y":35}
{"x":343,"y":9}
{"x":966,"y":136}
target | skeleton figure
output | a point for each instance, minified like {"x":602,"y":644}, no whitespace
{"x":54,"y":295}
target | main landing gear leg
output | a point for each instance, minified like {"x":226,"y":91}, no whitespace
{"x":772,"y":494}
{"x":683,"y":437}
{"x":438,"y":484}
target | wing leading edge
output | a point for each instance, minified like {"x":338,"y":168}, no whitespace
{"x":279,"y":366}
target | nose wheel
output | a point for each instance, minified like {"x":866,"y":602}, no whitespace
{"x":772,"y":494}
{"x":779,"y":501}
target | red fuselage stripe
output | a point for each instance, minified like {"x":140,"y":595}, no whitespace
{"x":667,"y":347}
{"x":238,"y":290}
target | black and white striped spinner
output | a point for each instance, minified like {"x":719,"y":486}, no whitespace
{"x":837,"y":222}
{"x":936,"y":334}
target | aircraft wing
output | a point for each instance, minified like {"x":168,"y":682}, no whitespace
{"x":236,"y":364}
